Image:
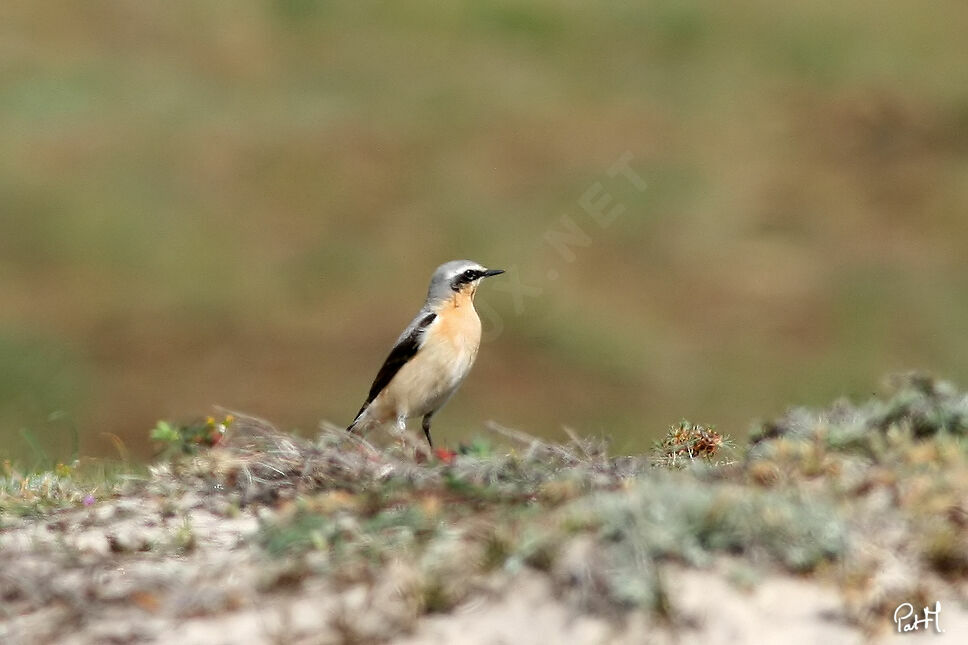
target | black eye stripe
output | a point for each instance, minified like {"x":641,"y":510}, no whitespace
{"x":465,"y":277}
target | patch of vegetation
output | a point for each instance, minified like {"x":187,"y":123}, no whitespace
{"x":901,"y":459}
{"x":25,"y":493}
{"x":867,"y":498}
{"x":186,"y":439}
{"x":801,"y":495}
{"x":916,"y":403}
{"x":687,"y":442}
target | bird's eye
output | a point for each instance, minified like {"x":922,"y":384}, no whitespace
{"x":470,"y":274}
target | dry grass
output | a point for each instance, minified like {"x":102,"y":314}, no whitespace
{"x":867,"y":499}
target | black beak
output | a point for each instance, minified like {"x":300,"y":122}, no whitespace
{"x":493,"y":272}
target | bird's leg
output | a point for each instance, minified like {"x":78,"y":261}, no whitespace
{"x":426,"y":427}
{"x":399,"y":431}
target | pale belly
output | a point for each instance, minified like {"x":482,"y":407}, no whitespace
{"x":425,"y":383}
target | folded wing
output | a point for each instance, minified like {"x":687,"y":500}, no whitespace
{"x":403,"y":351}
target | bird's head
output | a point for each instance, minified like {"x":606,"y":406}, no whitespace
{"x":458,"y":277}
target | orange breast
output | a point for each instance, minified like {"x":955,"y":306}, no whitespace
{"x":459,"y":323}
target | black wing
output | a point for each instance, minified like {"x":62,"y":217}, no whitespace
{"x":402,"y":352}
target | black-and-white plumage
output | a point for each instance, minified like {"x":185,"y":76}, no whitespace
{"x":433,"y":355}
{"x":406,"y":348}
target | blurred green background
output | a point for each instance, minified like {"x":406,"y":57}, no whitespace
{"x":241,"y":203}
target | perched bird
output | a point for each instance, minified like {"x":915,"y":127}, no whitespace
{"x":433,"y":354}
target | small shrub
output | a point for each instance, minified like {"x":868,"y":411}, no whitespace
{"x":187,"y":439}
{"x":688,"y":442}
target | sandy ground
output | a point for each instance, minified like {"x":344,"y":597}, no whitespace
{"x":128,"y":571}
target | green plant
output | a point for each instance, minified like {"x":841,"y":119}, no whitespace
{"x":188,"y":438}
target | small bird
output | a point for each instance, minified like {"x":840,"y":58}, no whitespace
{"x":433,"y":354}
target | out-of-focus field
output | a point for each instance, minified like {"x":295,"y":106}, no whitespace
{"x":240,"y":204}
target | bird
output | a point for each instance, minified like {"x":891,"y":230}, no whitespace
{"x":432,"y":356}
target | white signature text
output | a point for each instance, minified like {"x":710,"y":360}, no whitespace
{"x":907,"y":620}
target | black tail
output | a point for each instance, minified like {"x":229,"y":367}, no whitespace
{"x":352,"y":427}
